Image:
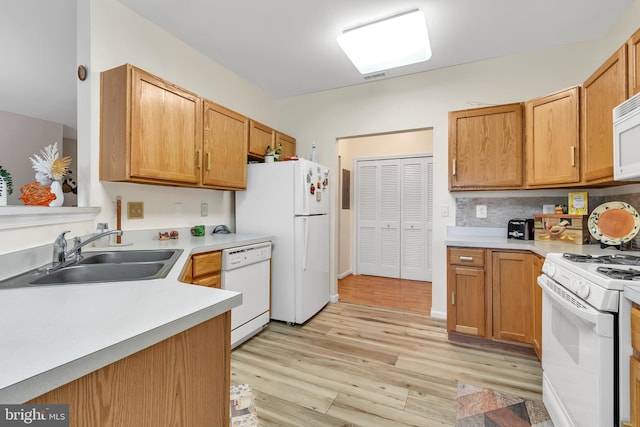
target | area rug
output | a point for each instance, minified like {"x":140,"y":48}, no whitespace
{"x":242,"y":410}
{"x":482,"y":407}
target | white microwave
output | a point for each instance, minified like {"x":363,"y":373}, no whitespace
{"x":626,"y":140}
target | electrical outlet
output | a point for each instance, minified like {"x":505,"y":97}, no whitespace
{"x":204,"y":209}
{"x":481,"y":211}
{"x":135,"y":210}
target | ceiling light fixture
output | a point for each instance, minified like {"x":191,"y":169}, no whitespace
{"x":387,"y":43}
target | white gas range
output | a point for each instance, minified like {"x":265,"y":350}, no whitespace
{"x":586,"y":336}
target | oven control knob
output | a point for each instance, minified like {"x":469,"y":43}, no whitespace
{"x":583,"y":290}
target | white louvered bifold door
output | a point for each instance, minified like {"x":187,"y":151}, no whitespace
{"x":394,"y":226}
{"x":367,"y":219}
{"x":414,"y":244}
{"x":429,"y":221}
{"x":389,"y":219}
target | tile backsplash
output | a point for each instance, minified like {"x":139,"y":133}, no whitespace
{"x":501,"y":210}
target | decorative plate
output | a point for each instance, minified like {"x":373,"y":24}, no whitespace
{"x":613,"y":223}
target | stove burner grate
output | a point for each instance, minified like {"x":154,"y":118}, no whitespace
{"x":617,"y":273}
{"x":619,"y":259}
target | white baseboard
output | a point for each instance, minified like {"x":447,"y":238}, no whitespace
{"x":345,"y":274}
{"x":438,"y":314}
{"x":333,"y":298}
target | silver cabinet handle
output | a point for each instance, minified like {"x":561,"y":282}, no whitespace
{"x":466,"y":258}
{"x":454,"y":168}
{"x":453,"y":298}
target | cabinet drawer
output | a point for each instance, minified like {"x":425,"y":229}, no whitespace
{"x":213,"y":281}
{"x":207,"y":263}
{"x":466,"y":256}
{"x":635,"y":328}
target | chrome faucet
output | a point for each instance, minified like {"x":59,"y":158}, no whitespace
{"x":63,"y":257}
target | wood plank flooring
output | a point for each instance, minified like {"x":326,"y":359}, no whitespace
{"x":402,"y":294}
{"x":358,"y":365}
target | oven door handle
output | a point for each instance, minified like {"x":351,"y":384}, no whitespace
{"x":602,"y":323}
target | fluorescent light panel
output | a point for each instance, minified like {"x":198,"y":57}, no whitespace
{"x":388,"y":43}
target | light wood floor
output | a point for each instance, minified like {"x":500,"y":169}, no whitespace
{"x":409,"y":295}
{"x":357,"y":365}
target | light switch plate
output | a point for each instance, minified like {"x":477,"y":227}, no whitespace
{"x":204,"y":209}
{"x":481,"y":211}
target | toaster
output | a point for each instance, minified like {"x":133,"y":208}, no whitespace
{"x":520,"y":228}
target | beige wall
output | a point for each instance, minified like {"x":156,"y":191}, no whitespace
{"x":349,"y":149}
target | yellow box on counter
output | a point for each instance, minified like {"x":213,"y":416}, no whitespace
{"x":571,"y":229}
{"x":578,"y":203}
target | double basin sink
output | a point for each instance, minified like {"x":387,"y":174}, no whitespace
{"x":102,"y":266}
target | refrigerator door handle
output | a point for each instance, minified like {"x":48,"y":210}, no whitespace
{"x":306,"y":241}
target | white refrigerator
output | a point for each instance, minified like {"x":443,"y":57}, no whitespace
{"x":290,"y":201}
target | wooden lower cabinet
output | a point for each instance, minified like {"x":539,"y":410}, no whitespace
{"x":181,"y":381}
{"x":512,"y":299}
{"x":491,"y":295}
{"x":204,"y":269}
{"x":466,"y":291}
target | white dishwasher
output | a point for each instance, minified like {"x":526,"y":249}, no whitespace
{"x":247,"y":269}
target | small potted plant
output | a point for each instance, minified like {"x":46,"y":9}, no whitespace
{"x":6,"y":185}
{"x":273,"y":154}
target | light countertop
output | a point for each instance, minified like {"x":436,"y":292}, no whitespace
{"x":52,"y":335}
{"x":496,"y":238}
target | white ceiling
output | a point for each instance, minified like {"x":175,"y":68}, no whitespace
{"x":285,"y":47}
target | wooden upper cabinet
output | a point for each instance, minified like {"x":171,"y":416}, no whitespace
{"x":260,"y":137}
{"x":225,"y":141}
{"x":288,"y":144}
{"x":553,"y":139}
{"x":633,"y":59}
{"x":486,"y":148}
{"x":150,"y":129}
{"x":605,"y":89}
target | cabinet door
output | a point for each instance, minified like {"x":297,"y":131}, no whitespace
{"x":633,"y":58}
{"x":537,"y":306}
{"x":287,"y":143}
{"x":226,"y":135}
{"x":553,"y":139}
{"x":605,"y":89}
{"x":486,"y":148}
{"x":466,"y":306}
{"x":260,"y":137}
{"x":512,"y":297}
{"x":166,"y":130}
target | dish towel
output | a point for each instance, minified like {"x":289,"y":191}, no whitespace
{"x":242,"y":411}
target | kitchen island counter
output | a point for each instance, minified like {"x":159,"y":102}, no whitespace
{"x":52,"y":335}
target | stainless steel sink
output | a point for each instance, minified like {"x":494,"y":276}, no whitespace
{"x":104,"y":266}
{"x":91,"y":273}
{"x":117,"y":257}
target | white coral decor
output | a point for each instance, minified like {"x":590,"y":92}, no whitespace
{"x":50,"y":169}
